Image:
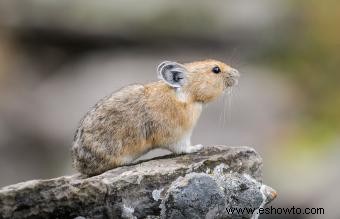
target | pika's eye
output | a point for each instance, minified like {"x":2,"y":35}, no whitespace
{"x":216,"y":70}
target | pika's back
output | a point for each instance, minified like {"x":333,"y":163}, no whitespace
{"x":115,"y":121}
{"x":115,"y":108}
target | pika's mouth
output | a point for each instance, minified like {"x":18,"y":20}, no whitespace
{"x":231,"y":81}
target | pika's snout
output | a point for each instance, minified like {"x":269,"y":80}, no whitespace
{"x":232,"y":77}
{"x":234,"y":73}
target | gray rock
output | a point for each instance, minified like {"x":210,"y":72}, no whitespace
{"x":194,"y":196}
{"x":194,"y":185}
{"x":202,"y":195}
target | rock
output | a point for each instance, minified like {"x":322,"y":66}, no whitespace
{"x":196,"y":195}
{"x":195,"y":185}
{"x":201,"y":195}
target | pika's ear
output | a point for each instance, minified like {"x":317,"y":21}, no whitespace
{"x":172,"y":73}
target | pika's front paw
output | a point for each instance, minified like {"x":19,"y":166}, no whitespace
{"x":194,"y":148}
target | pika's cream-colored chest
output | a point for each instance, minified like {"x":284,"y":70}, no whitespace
{"x":193,"y":109}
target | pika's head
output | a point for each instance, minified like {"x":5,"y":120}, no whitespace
{"x":203,"y":81}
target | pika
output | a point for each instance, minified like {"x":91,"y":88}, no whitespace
{"x":137,"y":118}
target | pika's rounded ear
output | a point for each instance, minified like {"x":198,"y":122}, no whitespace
{"x":172,"y":73}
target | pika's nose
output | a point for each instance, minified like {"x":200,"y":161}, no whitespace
{"x":234,"y":73}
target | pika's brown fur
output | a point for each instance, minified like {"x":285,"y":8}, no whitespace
{"x":130,"y":122}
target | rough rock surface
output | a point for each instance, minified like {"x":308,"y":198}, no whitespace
{"x":195,"y":185}
{"x":201,"y":195}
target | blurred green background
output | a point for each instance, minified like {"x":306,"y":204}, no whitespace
{"x":57,"y":58}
